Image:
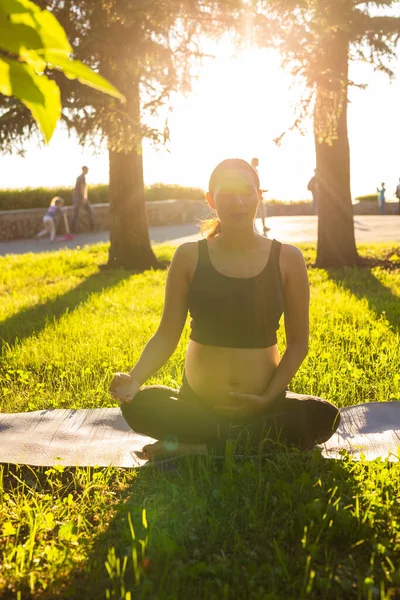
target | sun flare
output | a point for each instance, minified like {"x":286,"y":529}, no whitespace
{"x":238,"y":105}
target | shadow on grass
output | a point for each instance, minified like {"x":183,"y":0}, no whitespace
{"x":32,"y":320}
{"x":363,"y":284}
{"x":292,"y":526}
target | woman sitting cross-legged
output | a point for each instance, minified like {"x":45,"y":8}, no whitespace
{"x":236,"y":285}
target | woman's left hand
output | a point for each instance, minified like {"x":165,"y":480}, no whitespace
{"x":246,"y":405}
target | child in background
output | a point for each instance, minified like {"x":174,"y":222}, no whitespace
{"x":55,"y":210}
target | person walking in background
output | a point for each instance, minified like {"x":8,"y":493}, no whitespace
{"x":397,"y":193}
{"x":313,"y":187}
{"x":381,"y":198}
{"x":55,"y":210}
{"x":262,"y":209}
{"x":80,"y":198}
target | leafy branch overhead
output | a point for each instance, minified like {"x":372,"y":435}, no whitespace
{"x":309,"y":35}
{"x":31,"y":41}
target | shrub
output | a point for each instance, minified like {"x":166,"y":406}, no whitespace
{"x":161,"y":191}
{"x":367,"y":198}
{"x":289,"y":202}
{"x":98,"y":194}
{"x":41,"y":197}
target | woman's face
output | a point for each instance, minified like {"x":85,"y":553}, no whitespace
{"x":236,"y":198}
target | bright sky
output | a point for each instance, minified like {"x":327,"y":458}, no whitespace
{"x":237,"y":107}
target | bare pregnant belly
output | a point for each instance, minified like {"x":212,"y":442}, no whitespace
{"x":212,"y":372}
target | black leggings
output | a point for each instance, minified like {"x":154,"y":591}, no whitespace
{"x":175,"y":416}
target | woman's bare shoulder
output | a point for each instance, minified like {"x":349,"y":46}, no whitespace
{"x":291,"y":259}
{"x":291,"y":253}
{"x":186,"y":255}
{"x":188,"y":251}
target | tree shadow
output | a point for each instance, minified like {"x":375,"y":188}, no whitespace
{"x":32,"y":320}
{"x":362,"y":283}
{"x":315,"y":511}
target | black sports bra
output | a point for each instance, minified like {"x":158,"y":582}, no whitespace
{"x":235,"y":312}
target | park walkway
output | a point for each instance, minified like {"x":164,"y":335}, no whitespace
{"x":368,"y":228}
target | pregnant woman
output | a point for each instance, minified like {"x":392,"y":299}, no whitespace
{"x":236,"y":285}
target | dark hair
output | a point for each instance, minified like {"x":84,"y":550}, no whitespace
{"x":212,"y":227}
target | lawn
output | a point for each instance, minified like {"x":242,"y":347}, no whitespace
{"x":291,"y":526}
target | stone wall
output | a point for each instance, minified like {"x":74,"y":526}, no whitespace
{"x":366,"y":207}
{"x":17,"y":224}
{"x":370,"y":207}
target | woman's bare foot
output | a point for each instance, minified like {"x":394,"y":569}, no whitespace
{"x":158,"y":449}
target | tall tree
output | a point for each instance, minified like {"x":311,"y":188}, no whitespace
{"x":147,"y":49}
{"x":319,"y":38}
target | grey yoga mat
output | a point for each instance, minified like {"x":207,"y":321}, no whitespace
{"x":101,"y":437}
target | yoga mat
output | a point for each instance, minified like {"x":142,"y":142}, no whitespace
{"x":369,"y":430}
{"x":101,"y":437}
{"x":85,"y":437}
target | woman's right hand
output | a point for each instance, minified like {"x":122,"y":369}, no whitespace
{"x":123,"y":388}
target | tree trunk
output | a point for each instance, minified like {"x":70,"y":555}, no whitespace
{"x":130,"y":243}
{"x":129,"y":235}
{"x":336,"y":242}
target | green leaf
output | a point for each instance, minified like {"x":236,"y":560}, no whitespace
{"x":39,"y":94}
{"x":67,"y":532}
{"x":46,"y":115}
{"x":37,"y":38}
{"x":52,"y":32}
{"x":9,"y":7}
{"x":17,"y":79}
{"x":5,"y":83}
{"x":48,"y":28}
{"x":33,"y":59}
{"x":74,"y":69}
{"x":14,"y":37}
{"x":8,"y":528}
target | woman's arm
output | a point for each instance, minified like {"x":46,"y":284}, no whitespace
{"x":296,"y":293}
{"x":163,"y":343}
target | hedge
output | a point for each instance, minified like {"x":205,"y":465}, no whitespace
{"x":98,"y":194}
{"x":373,"y":197}
{"x":367,"y":198}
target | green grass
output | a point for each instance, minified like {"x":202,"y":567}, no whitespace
{"x":293,"y":526}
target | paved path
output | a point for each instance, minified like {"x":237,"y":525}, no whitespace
{"x":368,"y":228}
